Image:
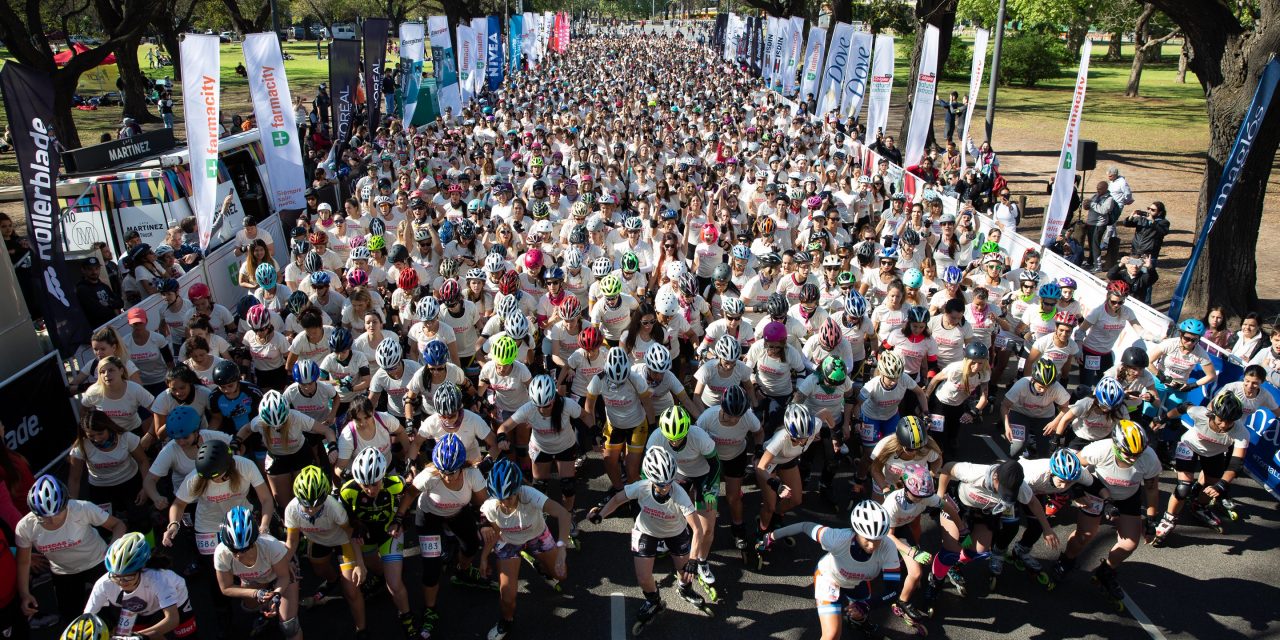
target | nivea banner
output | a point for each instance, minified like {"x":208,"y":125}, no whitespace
{"x":881,"y":86}
{"x":493,"y":59}
{"x":277,"y":127}
{"x":836,"y":71}
{"x":809,"y":74}
{"x":202,"y":86}
{"x":412,"y":51}
{"x":855,"y":87}
{"x":444,"y":61}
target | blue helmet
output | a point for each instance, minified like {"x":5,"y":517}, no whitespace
{"x":1109,"y":393}
{"x":265,"y":275}
{"x":890,"y":253}
{"x":320,"y":279}
{"x":450,"y":454}
{"x":435,"y":354}
{"x":182,"y":422}
{"x":1065,"y":464}
{"x":305,"y":371}
{"x":1191,"y":325}
{"x":47,"y":497}
{"x":1050,"y":290}
{"x":741,"y":252}
{"x":341,"y":340}
{"x":952,"y":275}
{"x":504,"y":479}
{"x":128,"y":554}
{"x":239,"y":532}
{"x":855,"y":304}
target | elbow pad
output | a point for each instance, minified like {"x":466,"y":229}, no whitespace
{"x":1235,"y":464}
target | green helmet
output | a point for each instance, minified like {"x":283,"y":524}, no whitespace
{"x":537,"y":161}
{"x":846,"y":277}
{"x":833,"y":372}
{"x":376,"y":242}
{"x":611,"y":286}
{"x":674,"y":423}
{"x":311,"y":486}
{"x":505,"y":350}
{"x":990,"y":247}
{"x":630,"y":262}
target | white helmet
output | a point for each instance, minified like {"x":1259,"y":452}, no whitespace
{"x":504,"y":304}
{"x":889,"y":365}
{"x":667,"y":304}
{"x":360,"y":253}
{"x":675,"y":270}
{"x":573,"y":259}
{"x":727,"y":348}
{"x":369,"y":466}
{"x":542,"y":390}
{"x":732,"y":306}
{"x":869,"y":520}
{"x":493,"y":263}
{"x":517,"y":325}
{"x":659,"y":466}
{"x":658,"y":358}
{"x":798,"y":421}
{"x":389,"y":353}
{"x":617,"y":366}
{"x":427,"y":309}
{"x":601,"y":267}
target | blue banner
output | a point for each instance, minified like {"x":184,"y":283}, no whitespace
{"x":515,"y":41}
{"x":493,"y":59}
{"x":1249,"y":130}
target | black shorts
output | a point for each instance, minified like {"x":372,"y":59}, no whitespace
{"x":289,"y":463}
{"x":644,"y":545}
{"x":974,"y":517}
{"x":320,"y":551}
{"x":1131,"y":506}
{"x":1187,"y":461}
{"x":568,"y":455}
{"x":736,"y":467}
{"x":693,"y":487}
{"x":788,"y":465}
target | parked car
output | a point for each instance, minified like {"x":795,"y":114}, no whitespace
{"x":344,"y":32}
{"x":227,"y":36}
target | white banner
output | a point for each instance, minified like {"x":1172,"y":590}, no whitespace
{"x":922,"y":100}
{"x":548,"y":22}
{"x":770,"y":34}
{"x":881,"y":86}
{"x":859,"y":71}
{"x":466,"y":62}
{"x":445,"y":64}
{"x":780,"y":52}
{"x":277,"y":126}
{"x":810,"y":75}
{"x":412,"y":52}
{"x":202,"y":88}
{"x":795,"y":49}
{"x":529,"y":41}
{"x":836,"y":70}
{"x":975,"y":84}
{"x":480,"y":26}
{"x":1064,"y":181}
{"x":732,"y":32}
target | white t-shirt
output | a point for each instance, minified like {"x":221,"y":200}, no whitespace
{"x":305,"y":349}
{"x":622,"y":406}
{"x":510,"y":390}
{"x":773,"y":377}
{"x":1122,"y":482}
{"x":385,"y":427}
{"x":334,"y":370}
{"x":1204,"y":441}
{"x":437,"y":499}
{"x":124,"y":410}
{"x":109,"y":468}
{"x":219,"y":497}
{"x":1105,"y":329}
{"x":326,"y":529}
{"x":714,"y":383}
{"x":175,"y":462}
{"x":953,"y":390}
{"x":464,"y":327}
{"x":526,"y":523}
{"x":585,"y":369}
{"x":1031,"y":404}
{"x":270,"y":551}
{"x":268,"y":353}
{"x":286,"y":439}
{"x":472,"y":430}
{"x":315,"y":406}
{"x":660,"y":519}
{"x":157,"y":590}
{"x":394,"y":388}
{"x":731,"y":441}
{"x":545,"y":437}
{"x":839,"y":565}
{"x":784,"y":450}
{"x":691,"y":460}
{"x":71,"y":548}
{"x":1059,"y":356}
{"x":881,"y":403}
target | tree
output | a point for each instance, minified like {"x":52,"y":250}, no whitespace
{"x":778,"y":8}
{"x":248,"y":16}
{"x":1230,"y":46}
{"x":1142,"y":44}
{"x":1075,"y":16}
{"x":23,"y":28}
{"x":174,"y":19}
{"x":941,"y":14}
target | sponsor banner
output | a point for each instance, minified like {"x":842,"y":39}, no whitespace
{"x":1249,"y":130}
{"x":466,"y":58}
{"x":548,"y":21}
{"x":412,"y":51}
{"x":29,"y":107}
{"x":795,"y":49}
{"x":277,"y":126}
{"x":922,"y":101}
{"x":493,"y":59}
{"x":779,"y":52}
{"x":859,"y":72}
{"x":444,"y":62}
{"x":37,"y":430}
{"x":975,"y":83}
{"x":1064,"y":180}
{"x":344,"y":80}
{"x":530,"y":40}
{"x":812,"y":70}
{"x":881,"y":86}
{"x":836,"y":70}
{"x":770,"y":34}
{"x":375,"y":58}
{"x":202,"y":88}
{"x":515,"y":40}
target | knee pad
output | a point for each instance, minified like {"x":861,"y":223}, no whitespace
{"x":949,"y":558}
{"x":568,"y":486}
{"x":541,"y":486}
{"x":1187,"y":490}
{"x":290,"y":627}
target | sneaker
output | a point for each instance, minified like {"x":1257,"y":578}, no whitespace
{"x":47,"y":620}
{"x":996,"y":563}
{"x":500,"y":630}
{"x":704,"y":573}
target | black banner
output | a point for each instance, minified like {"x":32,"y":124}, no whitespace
{"x":717,"y":40}
{"x":375,"y":58}
{"x":118,"y":152}
{"x":29,"y":106}
{"x":757,"y":48}
{"x":36,"y":409}
{"x":344,"y":62}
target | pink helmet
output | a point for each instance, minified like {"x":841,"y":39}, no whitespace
{"x":356,"y":241}
{"x":357,"y":278}
{"x":533,"y":259}
{"x":258,"y":317}
{"x":775,"y":332}
{"x":918,"y":481}
{"x":814,"y":202}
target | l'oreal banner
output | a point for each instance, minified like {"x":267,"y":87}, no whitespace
{"x":515,"y":39}
{"x":375,"y":58}
{"x":795,"y":47}
{"x":412,"y":52}
{"x":975,"y":83}
{"x":855,"y":88}
{"x":809,"y":74}
{"x":277,"y":126}
{"x":834,"y":76}
{"x":444,"y":61}
{"x":466,"y":43}
{"x":881,"y":86}
{"x":1249,"y":130}
{"x":344,"y":61}
{"x":202,"y":86}
{"x":493,"y":59}
{"x":29,"y":107}
{"x":1064,"y":180}
{"x":922,"y":101}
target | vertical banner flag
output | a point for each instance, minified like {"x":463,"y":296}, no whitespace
{"x":493,"y":61}
{"x":770,"y":34}
{"x":466,"y":42}
{"x":780,"y":51}
{"x":881,"y":86}
{"x":29,"y":107}
{"x":515,"y":39}
{"x":922,"y":100}
{"x":480,"y":26}
{"x":833,"y":77}
{"x":547,"y":21}
{"x":412,"y":50}
{"x":855,"y":88}
{"x":1231,"y":169}
{"x":202,"y":84}
{"x":277,"y":126}
{"x":724,"y":31}
{"x":1064,"y":180}
{"x":375,"y":58}
{"x":344,"y":62}
{"x":530,"y":40}
{"x":975,"y":83}
{"x":809,"y":75}
{"x":795,"y":53}
{"x":753,"y":45}
{"x":444,"y":62}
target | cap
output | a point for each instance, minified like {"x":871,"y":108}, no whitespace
{"x":137,"y":315}
{"x":163,"y":250}
{"x":324,"y":206}
{"x":945,"y":218}
{"x":90,"y":262}
{"x":310,"y":192}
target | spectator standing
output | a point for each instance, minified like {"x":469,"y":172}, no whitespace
{"x":166,"y":108}
{"x":951,"y":110}
{"x":1102,"y":213}
{"x":1150,"y":228}
{"x":99,"y":303}
{"x":1139,"y":275}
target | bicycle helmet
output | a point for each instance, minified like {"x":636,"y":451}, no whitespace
{"x":688,"y":284}
{"x":128,"y":554}
{"x":509,"y":283}
{"x":590,"y":339}
{"x":989,"y":247}
{"x":320,"y":279}
{"x":297,"y":302}
{"x":600,"y":267}
{"x":1118,"y":287}
{"x":427,"y":309}
{"x":1192,"y":326}
{"x":449,"y":292}
{"x":913,"y":278}
{"x":377,"y":227}
{"x":516,"y":325}
{"x":305,"y":371}
{"x":1129,"y":438}
{"x":776,"y":306}
{"x":952,"y":275}
{"x":274,"y":409}
{"x":770,"y":259}
{"x":340,"y":340}
{"x":917,"y":314}
{"x":505,"y":351}
{"x":611,"y":286}
{"x":674,"y":423}
{"x":675,"y":269}
{"x":832,"y":372}
{"x":722,"y":273}
{"x":798,"y":421}
{"x":617,"y":366}
{"x":466,"y":229}
{"x":889,"y":365}
{"x":505,"y":479}
{"x":976,"y":351}
{"x":311,"y":486}
{"x":1227,"y":406}
{"x":1044,"y":371}
{"x":258,"y":317}
{"x":533,"y":260}
{"x":911,"y":237}
{"x":505,"y":305}
{"x":659,"y":466}
{"x":447,"y":399}
{"x":266,"y":276}
{"x":1065,"y":317}
{"x":573,"y":259}
{"x":361,"y":253}
{"x":889,"y":253}
{"x":1050,"y":291}
{"x":450,"y":454}
{"x":727,"y":348}
{"x":569,"y":308}
{"x":911,"y":433}
{"x":553,"y":273}
{"x":542,"y":390}
{"x":369,"y":466}
{"x":732,"y":306}
{"x":829,"y":335}
{"x":225,"y":372}
{"x":312,"y":262}
{"x":740,"y":251}
{"x":1028,"y":275}
{"x":734,"y":401}
{"x":166,"y":285}
{"x":87,"y":626}
{"x":213,"y":459}
{"x":449,"y":267}
{"x":869,"y":520}
{"x":239,"y":532}
{"x":809,"y":293}
{"x":846,"y":278}
{"x":667,"y":304}
{"x":389,"y":354}
{"x":802,"y":257}
{"x":855,"y":305}
{"x":774,"y":332}
{"x":1135,"y":357}
{"x":475,"y":274}
{"x":918,"y":481}
{"x":1067,"y":282}
{"x":630,"y":262}
{"x":657,"y":358}
{"x":1065,"y":464}
{"x":1109,"y":393}
{"x":493,"y":263}
{"x":47,"y":497}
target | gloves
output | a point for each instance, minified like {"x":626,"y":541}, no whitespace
{"x":1148,"y":526}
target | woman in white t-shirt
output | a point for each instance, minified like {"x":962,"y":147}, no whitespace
{"x":220,"y":481}
{"x":114,"y":459}
{"x":949,"y":393}
{"x":184,"y":389}
{"x":267,"y":573}
{"x":116,"y":397}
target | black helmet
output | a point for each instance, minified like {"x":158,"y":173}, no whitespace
{"x":911,"y":237}
{"x":921,"y":314}
{"x":578,"y":235}
{"x":976,"y":351}
{"x":1010,"y":475}
{"x":225,"y":372}
{"x":867,"y":250}
{"x":213,"y":459}
{"x":1227,"y":406}
{"x":776,"y":305}
{"x":809,"y":293}
{"x":721,"y":272}
{"x":399,"y":253}
{"x":1135,"y":357}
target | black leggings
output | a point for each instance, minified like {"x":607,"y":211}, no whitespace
{"x":122,"y":499}
{"x":950,"y":425}
{"x":73,"y":589}
{"x":1031,"y":530}
{"x":463,"y":527}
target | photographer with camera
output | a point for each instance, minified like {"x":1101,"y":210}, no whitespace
{"x":1151,"y":226}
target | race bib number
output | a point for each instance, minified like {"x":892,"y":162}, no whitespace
{"x":867,"y":431}
{"x":106,"y":506}
{"x":825,"y":590}
{"x":1002,"y":340}
{"x":1183,"y":452}
{"x":1019,"y":432}
{"x":1092,"y":363}
{"x":1092,"y":504}
{"x":125,"y":626}
{"x":937,"y":422}
{"x":430,"y":546}
{"x":206,"y":543}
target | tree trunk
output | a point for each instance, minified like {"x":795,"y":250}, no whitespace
{"x":1113,"y":49}
{"x":64,"y":86}
{"x":135,"y":83}
{"x":1154,"y":53}
{"x":1181,"y":78}
{"x":1140,"y":36}
{"x":941,"y":14}
{"x":172,"y":45}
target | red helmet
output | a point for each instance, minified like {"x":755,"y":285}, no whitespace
{"x":509,"y":283}
{"x":449,"y":291}
{"x":258,"y":317}
{"x":533,"y":259}
{"x":830,"y":334}
{"x":590,"y":339}
{"x":569,"y":308}
{"x":1066,"y":317}
{"x":408,"y":280}
{"x":319,"y":237}
{"x":1118,"y":287}
{"x":197,"y":291}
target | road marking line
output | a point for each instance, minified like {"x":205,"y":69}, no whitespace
{"x":618,"y":616}
{"x":991,"y":443}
